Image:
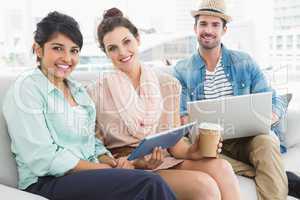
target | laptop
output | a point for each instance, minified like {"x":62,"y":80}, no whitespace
{"x":240,"y":116}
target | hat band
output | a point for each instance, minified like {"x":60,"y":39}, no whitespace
{"x":211,"y":10}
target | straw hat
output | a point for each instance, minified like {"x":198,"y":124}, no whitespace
{"x":215,"y":8}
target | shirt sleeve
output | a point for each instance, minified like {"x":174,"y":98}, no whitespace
{"x":24,"y":108}
{"x":260,"y":84}
{"x":100,"y":148}
{"x":184,"y":96}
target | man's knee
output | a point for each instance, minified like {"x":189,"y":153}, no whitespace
{"x":264,"y":149}
{"x":264,"y":142}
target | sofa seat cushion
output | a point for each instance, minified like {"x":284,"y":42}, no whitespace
{"x":8,"y":168}
{"x":15,"y":194}
{"x":248,"y":189}
{"x":290,"y":159}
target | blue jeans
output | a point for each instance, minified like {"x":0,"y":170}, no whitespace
{"x":104,"y":184}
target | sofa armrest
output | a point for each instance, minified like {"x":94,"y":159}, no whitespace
{"x":15,"y":194}
{"x":292,"y":135}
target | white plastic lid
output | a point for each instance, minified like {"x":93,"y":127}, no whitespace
{"x":210,"y":126}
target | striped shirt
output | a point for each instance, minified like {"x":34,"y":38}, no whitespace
{"x":216,"y":84}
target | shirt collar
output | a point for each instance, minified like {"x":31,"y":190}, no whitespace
{"x":74,"y":85}
{"x":199,"y":62}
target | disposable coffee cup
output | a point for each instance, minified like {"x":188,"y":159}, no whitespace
{"x":209,"y":138}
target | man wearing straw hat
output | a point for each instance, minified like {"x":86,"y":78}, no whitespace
{"x":237,"y":74}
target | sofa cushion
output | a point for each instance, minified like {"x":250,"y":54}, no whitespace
{"x":290,"y":159}
{"x":292,"y":136}
{"x":248,"y":189}
{"x":15,"y":194}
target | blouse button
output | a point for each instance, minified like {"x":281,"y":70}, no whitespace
{"x":243,"y":85}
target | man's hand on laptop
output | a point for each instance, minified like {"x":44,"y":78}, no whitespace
{"x":275,"y":118}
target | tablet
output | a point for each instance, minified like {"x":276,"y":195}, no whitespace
{"x":164,"y":139}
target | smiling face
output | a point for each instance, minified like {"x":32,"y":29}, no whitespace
{"x":121,"y":46}
{"x":58,"y":57}
{"x":209,"y":31}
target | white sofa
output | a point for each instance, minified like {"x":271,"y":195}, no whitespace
{"x":8,"y":169}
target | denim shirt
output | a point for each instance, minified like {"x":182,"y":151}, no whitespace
{"x":241,"y":71}
{"x":49,"y":136}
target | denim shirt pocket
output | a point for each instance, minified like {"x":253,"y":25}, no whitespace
{"x":197,"y":93}
{"x":243,"y":87}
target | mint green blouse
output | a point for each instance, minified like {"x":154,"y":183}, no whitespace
{"x":48,"y":135}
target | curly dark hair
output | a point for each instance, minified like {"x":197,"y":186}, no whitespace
{"x":54,"y":23}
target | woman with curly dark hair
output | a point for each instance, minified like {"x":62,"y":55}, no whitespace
{"x":51,"y":122}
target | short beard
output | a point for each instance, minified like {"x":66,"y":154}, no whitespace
{"x":209,"y":47}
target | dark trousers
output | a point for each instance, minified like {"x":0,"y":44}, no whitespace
{"x":104,"y":184}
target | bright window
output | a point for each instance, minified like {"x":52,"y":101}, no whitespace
{"x":267,"y":30}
